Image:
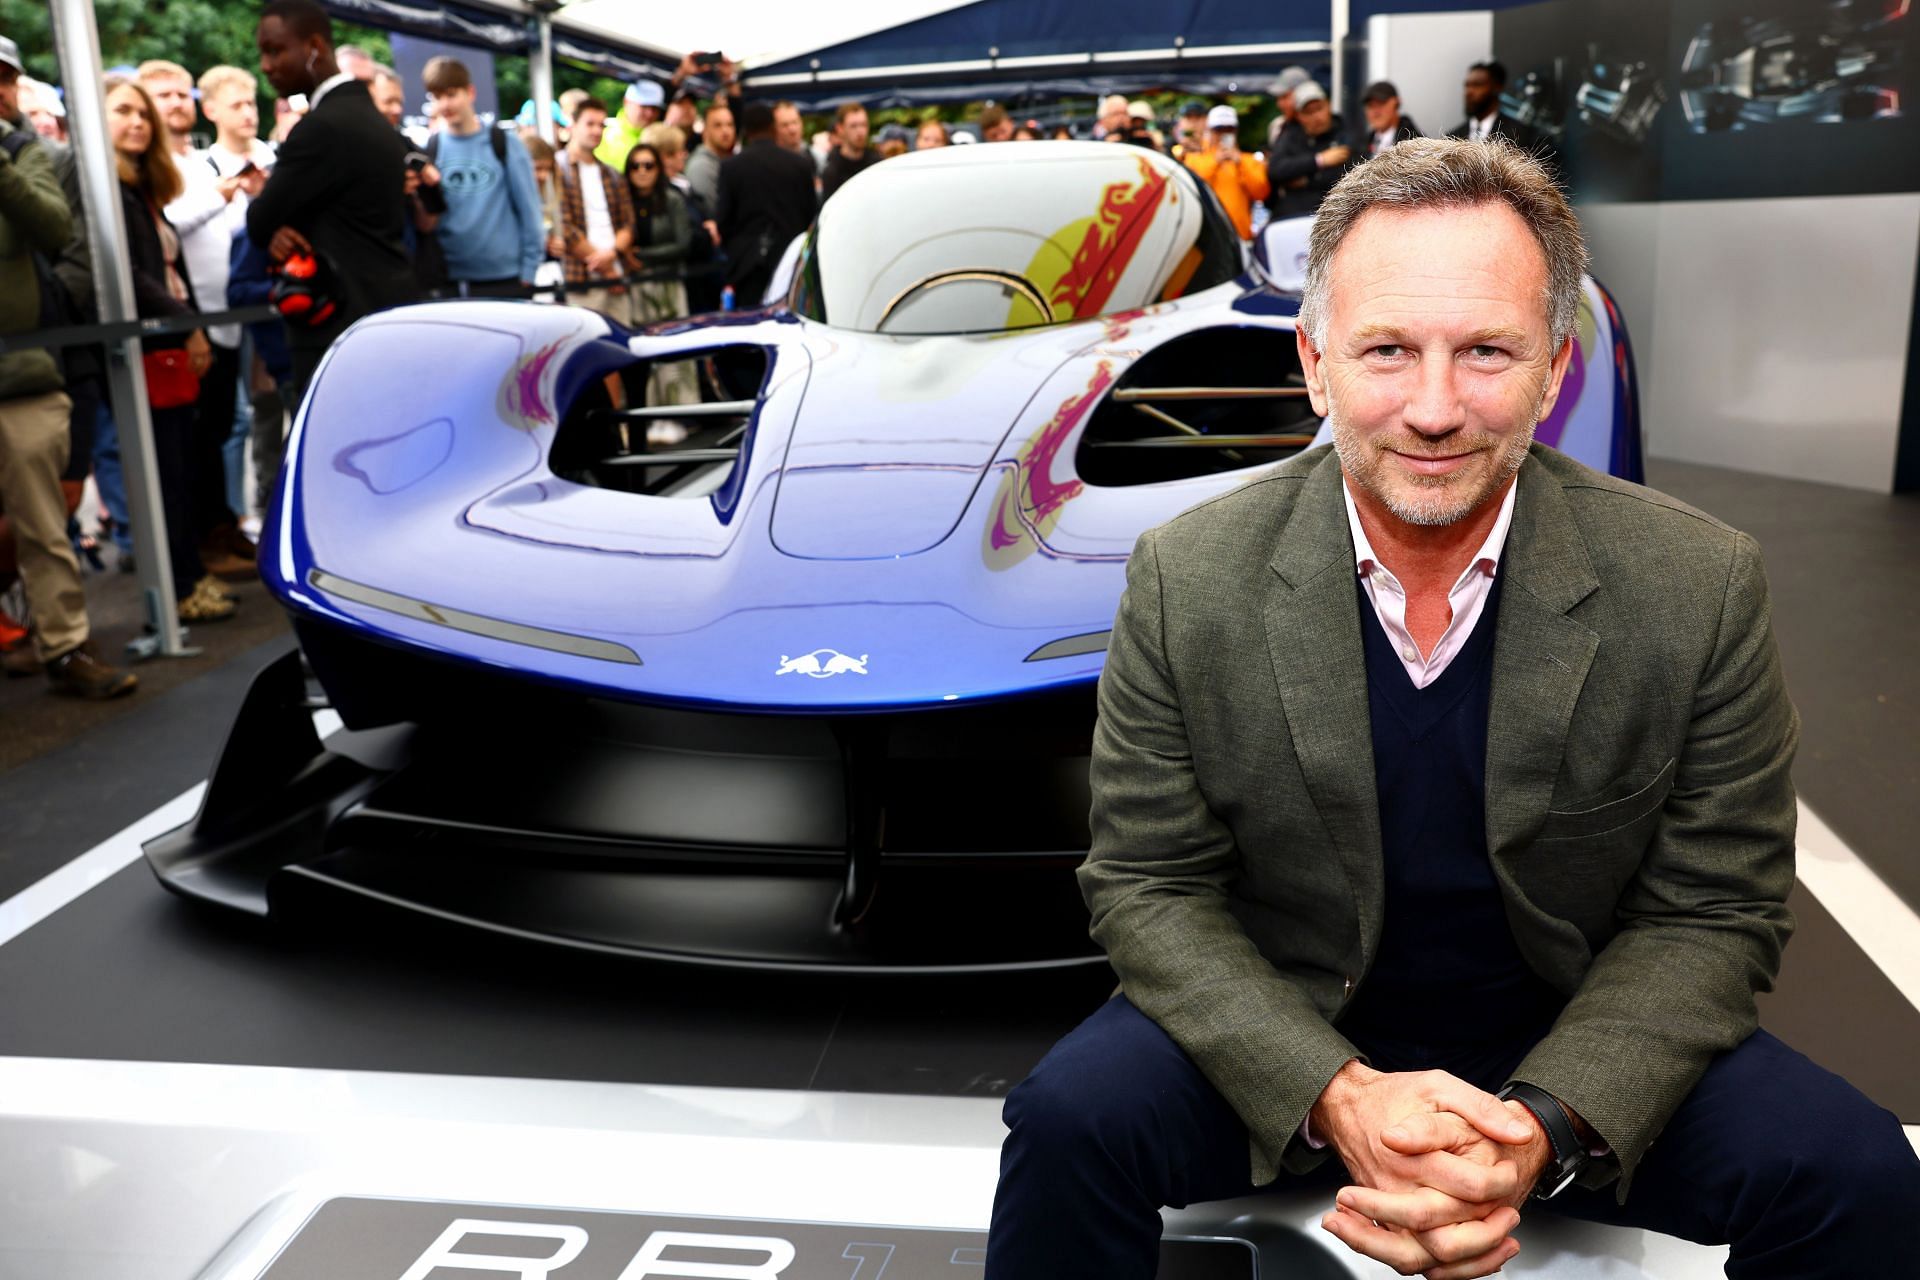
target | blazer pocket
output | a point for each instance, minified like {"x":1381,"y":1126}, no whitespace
{"x":1576,"y":824}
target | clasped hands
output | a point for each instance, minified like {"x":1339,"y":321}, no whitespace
{"x":1439,"y":1170}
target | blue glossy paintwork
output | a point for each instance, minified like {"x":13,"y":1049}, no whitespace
{"x":907,"y":502}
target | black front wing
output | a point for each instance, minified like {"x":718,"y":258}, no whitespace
{"x":924,"y":841}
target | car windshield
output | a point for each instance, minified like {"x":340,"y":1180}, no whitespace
{"x":1011,"y":236}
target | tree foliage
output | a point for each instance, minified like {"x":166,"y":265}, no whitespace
{"x":197,"y":34}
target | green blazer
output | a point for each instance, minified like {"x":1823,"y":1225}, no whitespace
{"x":1640,"y":817}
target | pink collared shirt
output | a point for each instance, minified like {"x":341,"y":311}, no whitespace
{"x":1467,"y":598}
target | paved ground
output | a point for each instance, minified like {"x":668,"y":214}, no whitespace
{"x":36,"y":722}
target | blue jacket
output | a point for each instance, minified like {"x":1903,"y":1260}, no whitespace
{"x":249,"y":283}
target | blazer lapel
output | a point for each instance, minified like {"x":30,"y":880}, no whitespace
{"x":1540,"y":658}
{"x":1313,"y":638}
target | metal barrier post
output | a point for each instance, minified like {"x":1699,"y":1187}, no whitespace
{"x":77,"y":45}
{"x":540,"y":75}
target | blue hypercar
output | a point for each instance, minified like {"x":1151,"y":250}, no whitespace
{"x":770,"y":638}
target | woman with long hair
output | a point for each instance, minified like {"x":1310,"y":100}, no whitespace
{"x":662,"y":234}
{"x":148,"y":181}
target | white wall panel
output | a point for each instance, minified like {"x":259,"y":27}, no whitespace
{"x":1624,"y":240}
{"x":1426,"y":55}
{"x":1770,"y":335}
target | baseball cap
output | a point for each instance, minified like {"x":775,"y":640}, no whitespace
{"x":1141,"y":111}
{"x":1223,"y":117}
{"x":1193,"y":107}
{"x":1290,"y":78}
{"x":1308,"y":91}
{"x":1378,"y":91}
{"x":10,"y":55}
{"x":1113,"y":103}
{"x":646,"y":93}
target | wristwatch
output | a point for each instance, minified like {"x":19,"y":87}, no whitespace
{"x":1570,"y":1155}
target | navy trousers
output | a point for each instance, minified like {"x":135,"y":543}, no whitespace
{"x":1784,"y":1161}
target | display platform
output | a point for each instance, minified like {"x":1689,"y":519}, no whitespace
{"x":207,"y":1172}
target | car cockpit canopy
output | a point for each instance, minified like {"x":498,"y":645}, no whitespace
{"x":1011,"y":236}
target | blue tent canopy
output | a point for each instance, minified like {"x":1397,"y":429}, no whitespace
{"x":478,"y":26}
{"x":1067,"y":45}
{"x":1014,"y":49}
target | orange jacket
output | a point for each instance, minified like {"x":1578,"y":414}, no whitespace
{"x":1238,"y":184}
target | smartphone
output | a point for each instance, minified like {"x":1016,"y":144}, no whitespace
{"x":707,"y":61}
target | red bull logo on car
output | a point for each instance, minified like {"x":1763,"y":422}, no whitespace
{"x":822,"y":663}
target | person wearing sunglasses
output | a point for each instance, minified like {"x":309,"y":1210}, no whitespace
{"x":662,"y":234}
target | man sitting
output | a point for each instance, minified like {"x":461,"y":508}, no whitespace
{"x":1442,"y":821}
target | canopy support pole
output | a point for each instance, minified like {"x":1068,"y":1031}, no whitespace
{"x":540,"y":75}
{"x":77,"y":45}
{"x":1341,"y":21}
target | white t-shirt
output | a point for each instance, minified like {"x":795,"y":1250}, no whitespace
{"x":205,"y":224}
{"x":593,"y":198}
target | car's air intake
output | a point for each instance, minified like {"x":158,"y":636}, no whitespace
{"x":1210,"y":401}
{"x":667,"y":428}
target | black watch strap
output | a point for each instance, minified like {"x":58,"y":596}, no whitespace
{"x":1570,"y":1155}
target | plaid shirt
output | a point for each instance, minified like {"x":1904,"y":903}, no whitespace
{"x":573,"y":211}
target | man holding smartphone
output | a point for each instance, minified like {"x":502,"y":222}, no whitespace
{"x":228,"y":101}
{"x":1240,"y":180}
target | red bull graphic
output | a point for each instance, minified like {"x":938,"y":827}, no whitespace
{"x":524,"y":396}
{"x":1105,"y":248}
{"x":1030,"y":500}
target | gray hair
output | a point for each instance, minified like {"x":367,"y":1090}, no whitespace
{"x":1441,"y":173}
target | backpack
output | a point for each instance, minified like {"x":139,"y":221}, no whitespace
{"x":496,"y":135}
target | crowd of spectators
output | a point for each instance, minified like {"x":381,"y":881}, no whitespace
{"x":680,"y":198}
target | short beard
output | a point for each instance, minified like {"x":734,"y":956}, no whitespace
{"x":1439,"y":504}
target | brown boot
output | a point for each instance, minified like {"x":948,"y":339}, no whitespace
{"x":20,"y":662}
{"x":78,"y":674}
{"x":222,"y":563}
{"x":230,"y":554}
{"x":238,"y":542}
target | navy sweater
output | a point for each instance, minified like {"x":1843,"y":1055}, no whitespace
{"x":1448,"y":979}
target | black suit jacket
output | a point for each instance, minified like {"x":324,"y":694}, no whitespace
{"x":1512,"y":130}
{"x":1525,"y":137}
{"x":338,"y":180}
{"x":766,"y":199}
{"x":1363,"y":137}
